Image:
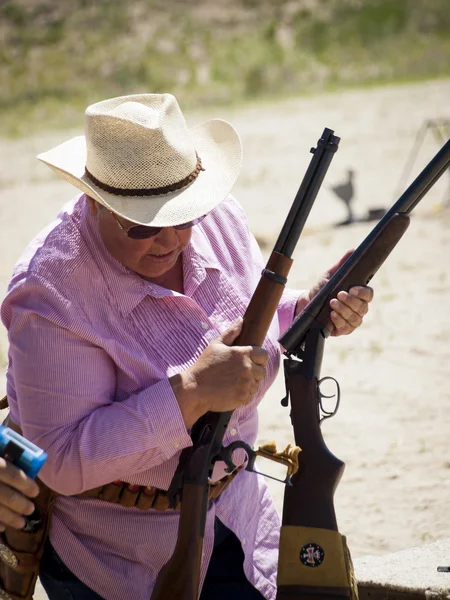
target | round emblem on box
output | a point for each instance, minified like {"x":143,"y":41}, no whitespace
{"x":312,"y":555}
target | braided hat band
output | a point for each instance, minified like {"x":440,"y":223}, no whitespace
{"x":165,"y":189}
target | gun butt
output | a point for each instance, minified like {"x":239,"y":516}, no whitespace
{"x":314,"y":564}
{"x":309,"y":501}
{"x":304,"y":592}
{"x":176,"y":581}
{"x":309,"y":534}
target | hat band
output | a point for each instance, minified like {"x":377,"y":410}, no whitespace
{"x":166,"y":189}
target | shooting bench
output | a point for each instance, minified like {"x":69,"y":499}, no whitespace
{"x":406,"y":575}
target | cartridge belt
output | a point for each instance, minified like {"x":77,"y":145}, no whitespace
{"x":146,"y":497}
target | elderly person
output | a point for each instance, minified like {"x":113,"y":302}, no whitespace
{"x":121,"y":315}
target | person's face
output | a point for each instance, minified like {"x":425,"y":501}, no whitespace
{"x":151,"y":258}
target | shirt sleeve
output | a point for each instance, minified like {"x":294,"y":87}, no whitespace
{"x":64,"y":387}
{"x":286,"y":308}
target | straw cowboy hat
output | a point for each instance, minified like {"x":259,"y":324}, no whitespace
{"x":139,"y":159}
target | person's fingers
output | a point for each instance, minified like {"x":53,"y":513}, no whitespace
{"x":354,"y":302}
{"x":251,"y":377}
{"x":357,"y":299}
{"x":259,"y":373}
{"x":17,"y":479}
{"x":15,"y":501}
{"x":332,"y":270}
{"x":363,"y":292}
{"x":230,"y":334}
{"x":323,"y":280}
{"x":11,"y":518}
{"x":255,"y":388}
{"x":259,"y":356}
{"x":341,"y":326}
{"x":346,"y":313}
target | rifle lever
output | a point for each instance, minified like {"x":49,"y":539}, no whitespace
{"x":327,"y":414}
{"x":288,"y":457}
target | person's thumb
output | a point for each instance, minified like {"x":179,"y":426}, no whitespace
{"x":339,"y":264}
{"x":230,"y":334}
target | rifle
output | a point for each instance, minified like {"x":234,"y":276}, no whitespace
{"x":179,"y":578}
{"x":309,"y":532}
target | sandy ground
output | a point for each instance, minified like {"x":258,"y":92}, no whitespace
{"x":393,"y":426}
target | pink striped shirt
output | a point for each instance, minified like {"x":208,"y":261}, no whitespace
{"x":92,"y":345}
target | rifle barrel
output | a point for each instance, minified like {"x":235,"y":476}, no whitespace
{"x":423,"y":182}
{"x":307,"y":192}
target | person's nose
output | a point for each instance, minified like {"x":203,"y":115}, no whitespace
{"x":167,"y":237}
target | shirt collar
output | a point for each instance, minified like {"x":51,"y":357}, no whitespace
{"x":198,"y":257}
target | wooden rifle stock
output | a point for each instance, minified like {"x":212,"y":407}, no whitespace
{"x":309,"y":533}
{"x":179,"y":579}
{"x":309,"y":521}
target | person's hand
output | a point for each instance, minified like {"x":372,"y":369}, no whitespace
{"x":223,"y":378}
{"x":15,"y":490}
{"x":348,"y":308}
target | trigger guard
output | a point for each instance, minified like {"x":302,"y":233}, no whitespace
{"x":227,"y":452}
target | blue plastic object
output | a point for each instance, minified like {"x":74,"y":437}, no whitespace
{"x":21,"y":452}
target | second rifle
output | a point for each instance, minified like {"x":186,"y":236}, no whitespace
{"x":314,"y":561}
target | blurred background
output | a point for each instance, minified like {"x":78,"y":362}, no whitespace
{"x":57,"y":57}
{"x":375,"y":71}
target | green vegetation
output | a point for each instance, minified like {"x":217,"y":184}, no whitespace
{"x":57,"y":56}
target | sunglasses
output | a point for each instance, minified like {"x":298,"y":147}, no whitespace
{"x":143,"y":232}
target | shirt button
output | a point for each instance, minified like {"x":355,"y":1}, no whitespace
{"x":243,"y":542}
{"x":233,"y":431}
{"x":177,"y":445}
{"x":205,"y":325}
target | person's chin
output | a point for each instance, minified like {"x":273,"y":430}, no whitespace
{"x":157,"y":265}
